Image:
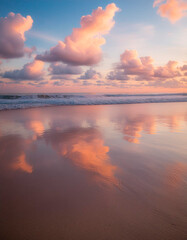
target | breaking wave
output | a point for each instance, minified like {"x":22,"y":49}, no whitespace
{"x":18,"y":101}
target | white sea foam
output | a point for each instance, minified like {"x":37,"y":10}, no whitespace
{"x":39,"y":100}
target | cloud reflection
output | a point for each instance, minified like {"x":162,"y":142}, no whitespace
{"x":85,"y":147}
{"x":134,"y":127}
{"x":21,"y":164}
{"x":135,"y":124}
{"x":12,"y":154}
{"x":37,"y":127}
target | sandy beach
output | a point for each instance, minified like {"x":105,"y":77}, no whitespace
{"x":94,"y":172}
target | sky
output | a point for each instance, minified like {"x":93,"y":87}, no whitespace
{"x":93,"y":46}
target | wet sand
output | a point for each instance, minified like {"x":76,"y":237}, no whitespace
{"x":94,"y":172}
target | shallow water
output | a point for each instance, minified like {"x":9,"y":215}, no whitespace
{"x":94,"y":172}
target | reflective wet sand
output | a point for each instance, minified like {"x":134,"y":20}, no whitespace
{"x":94,"y":172}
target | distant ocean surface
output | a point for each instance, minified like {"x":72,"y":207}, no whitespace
{"x":19,"y":101}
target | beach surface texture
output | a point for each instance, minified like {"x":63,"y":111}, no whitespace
{"x":93,"y":172}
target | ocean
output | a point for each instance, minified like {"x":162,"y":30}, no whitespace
{"x":19,"y":101}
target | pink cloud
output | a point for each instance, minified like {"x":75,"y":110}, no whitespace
{"x":91,"y":74}
{"x":157,"y":2}
{"x":64,"y":69}
{"x":83,"y":46}
{"x":174,"y":10}
{"x":170,"y":70}
{"x":184,"y":68}
{"x":30,"y":71}
{"x":173,"y":83}
{"x":12,"y":29}
{"x":117,"y":75}
{"x":131,"y":66}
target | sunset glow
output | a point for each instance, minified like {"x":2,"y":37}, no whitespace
{"x":103,"y":49}
{"x":93,"y":119}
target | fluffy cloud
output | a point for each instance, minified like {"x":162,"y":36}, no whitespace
{"x":171,"y":9}
{"x":184,"y":68}
{"x":58,"y":83}
{"x":131,"y":66}
{"x":157,"y":2}
{"x":64,"y":69}
{"x":117,"y":75}
{"x":83,"y":46}
{"x":90,"y":74}
{"x":30,"y":71}
{"x":170,"y":70}
{"x":169,"y":83}
{"x":12,"y":29}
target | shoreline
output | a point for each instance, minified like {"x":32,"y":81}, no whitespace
{"x":106,"y":104}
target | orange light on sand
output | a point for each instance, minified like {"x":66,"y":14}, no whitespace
{"x":22,"y":165}
{"x":134,"y":127}
{"x":175,"y":174}
{"x":85,"y":147}
{"x":90,"y":155}
{"x":37,"y":127}
{"x":174,"y":122}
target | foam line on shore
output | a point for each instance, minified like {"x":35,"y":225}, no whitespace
{"x":38,"y":100}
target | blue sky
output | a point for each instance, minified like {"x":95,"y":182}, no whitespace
{"x":55,"y":19}
{"x":137,"y":26}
